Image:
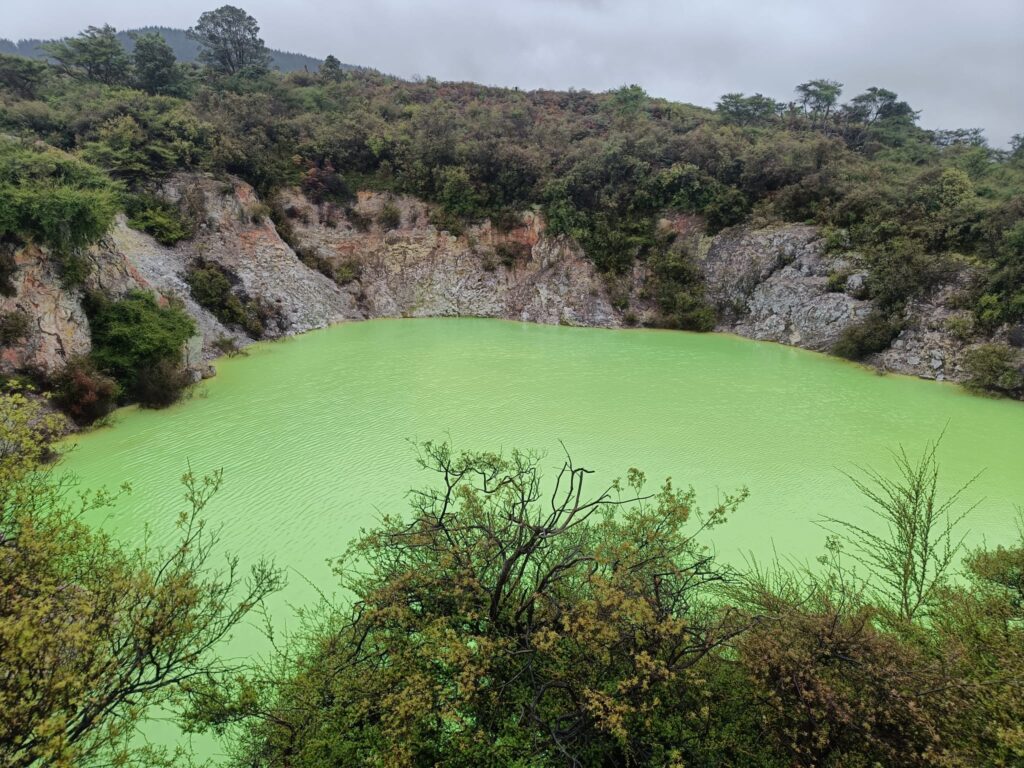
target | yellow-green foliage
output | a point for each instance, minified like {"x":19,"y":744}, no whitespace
{"x":503,"y":625}
{"x":92,"y":633}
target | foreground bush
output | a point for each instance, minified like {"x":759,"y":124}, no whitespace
{"x":495,"y":629}
{"x":501,"y":626}
{"x":92,"y":633}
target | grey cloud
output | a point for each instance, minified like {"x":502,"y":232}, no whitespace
{"x":957,"y":62}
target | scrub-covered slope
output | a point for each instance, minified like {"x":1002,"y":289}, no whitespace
{"x":263,"y":204}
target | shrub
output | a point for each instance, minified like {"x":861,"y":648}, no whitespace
{"x":133,"y":336}
{"x":447,"y":221}
{"x":259,"y":213}
{"x":53,"y":199}
{"x":14,"y":327}
{"x":677,"y":286}
{"x":322,"y":184}
{"x":163,"y":384}
{"x":8,"y":268}
{"x":836,"y":282}
{"x":903,"y":270}
{"x":510,"y":253}
{"x":389,"y":217}
{"x":226,"y":345}
{"x":962,"y":328}
{"x":873,"y":334}
{"x":164,"y":221}
{"x":994,"y":368}
{"x":83,"y":392}
{"x":347,"y":271}
{"x":360,"y":221}
{"x":211,"y":285}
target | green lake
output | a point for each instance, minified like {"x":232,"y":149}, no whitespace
{"x":315,"y":434}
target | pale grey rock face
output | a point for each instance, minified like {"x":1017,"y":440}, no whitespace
{"x":772,"y":284}
{"x":416,"y":270}
{"x":926,"y":347}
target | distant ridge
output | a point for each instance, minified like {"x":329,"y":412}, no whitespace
{"x":185,"y":49}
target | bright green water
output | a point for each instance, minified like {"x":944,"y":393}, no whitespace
{"x":313,"y":432}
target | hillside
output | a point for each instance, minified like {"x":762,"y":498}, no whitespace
{"x":841,"y":226}
{"x":185,"y":49}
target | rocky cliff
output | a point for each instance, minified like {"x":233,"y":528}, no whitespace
{"x":387,"y":259}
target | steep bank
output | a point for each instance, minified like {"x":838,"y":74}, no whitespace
{"x":387,"y":259}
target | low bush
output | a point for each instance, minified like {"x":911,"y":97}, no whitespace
{"x":994,"y":368}
{"x":8,"y":268}
{"x":212,"y":286}
{"x":83,"y":392}
{"x":389,"y":217}
{"x":164,"y":221}
{"x":163,"y":384}
{"x":677,"y":285}
{"x":347,"y":271}
{"x":14,"y":326}
{"x":511,"y":253}
{"x":226,"y":345}
{"x":134,"y":336}
{"x":873,"y":334}
{"x":962,"y":328}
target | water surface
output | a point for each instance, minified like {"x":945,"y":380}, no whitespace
{"x":313,"y":433}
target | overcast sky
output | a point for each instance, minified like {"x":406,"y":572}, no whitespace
{"x":960,"y":62}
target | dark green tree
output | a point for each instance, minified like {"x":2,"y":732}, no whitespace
{"x":819,"y":98}
{"x":155,"y":65}
{"x":96,"y":54}
{"x":230,"y":41}
{"x":21,"y":76}
{"x":331,"y":68}
{"x":737,"y":109}
{"x":877,"y":104}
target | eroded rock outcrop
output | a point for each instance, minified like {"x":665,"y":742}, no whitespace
{"x":56,"y":327}
{"x":773,"y":284}
{"x":415,"y":270}
{"x":776,"y":283}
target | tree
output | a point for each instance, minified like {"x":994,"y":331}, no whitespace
{"x":819,"y":97}
{"x":156,"y":71}
{"x":494,"y":628}
{"x":331,"y":68}
{"x":22,"y":77}
{"x":738,"y":109}
{"x":1017,"y":146}
{"x":230,"y":41}
{"x":879,"y":104}
{"x":141,"y":345}
{"x":96,"y":54}
{"x":92,"y":634}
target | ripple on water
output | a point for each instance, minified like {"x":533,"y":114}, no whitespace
{"x":313,"y":433}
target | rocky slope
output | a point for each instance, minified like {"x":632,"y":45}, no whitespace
{"x":771,"y":283}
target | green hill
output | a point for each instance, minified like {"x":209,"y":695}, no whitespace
{"x":186,"y":49}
